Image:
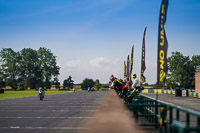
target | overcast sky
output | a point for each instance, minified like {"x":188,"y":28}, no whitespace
{"x":92,"y":38}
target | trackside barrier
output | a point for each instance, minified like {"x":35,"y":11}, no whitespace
{"x":153,"y":91}
{"x":159,"y":91}
{"x":168,"y":118}
{"x":194,"y":94}
{"x":191,"y":93}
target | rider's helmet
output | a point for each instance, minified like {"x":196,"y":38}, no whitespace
{"x":41,"y":89}
{"x":112,"y":78}
{"x":134,"y":76}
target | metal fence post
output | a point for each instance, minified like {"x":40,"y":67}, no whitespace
{"x":156,"y":113}
{"x":187,"y":120}
{"x":170,"y":118}
{"x":177,"y":114}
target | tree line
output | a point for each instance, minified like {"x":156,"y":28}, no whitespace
{"x":31,"y":68}
{"x":68,"y":83}
{"x":27,"y":68}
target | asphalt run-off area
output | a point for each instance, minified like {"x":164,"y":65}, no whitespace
{"x":58,"y":113}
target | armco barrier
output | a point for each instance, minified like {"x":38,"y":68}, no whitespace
{"x":159,"y":91}
{"x":191,"y":93}
{"x":194,"y":94}
{"x":166,"y":117}
{"x":152,"y":91}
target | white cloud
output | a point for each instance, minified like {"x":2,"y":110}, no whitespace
{"x":100,"y":61}
{"x":73,"y":64}
{"x":97,"y":68}
{"x":101,"y":68}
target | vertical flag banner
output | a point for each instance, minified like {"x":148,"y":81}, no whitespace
{"x":143,"y":65}
{"x":127,"y":67}
{"x":162,"y":67}
{"x":131,"y":69}
{"x":124,"y":70}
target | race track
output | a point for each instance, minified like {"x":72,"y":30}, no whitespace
{"x":60,"y":113}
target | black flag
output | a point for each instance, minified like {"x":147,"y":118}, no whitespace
{"x":124,"y":70}
{"x":162,"y":67}
{"x":143,"y":65}
{"x":131,"y":69}
{"x":127,"y":67}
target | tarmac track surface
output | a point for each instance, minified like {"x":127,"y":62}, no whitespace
{"x":59,"y":113}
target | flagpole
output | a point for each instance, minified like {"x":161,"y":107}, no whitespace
{"x":157,"y":86}
{"x":162,"y":67}
{"x":125,"y":70}
{"x":131,"y":69}
{"x":143,"y":65}
{"x":127,"y":65}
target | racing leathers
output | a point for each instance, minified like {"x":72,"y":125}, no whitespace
{"x":120,"y":88}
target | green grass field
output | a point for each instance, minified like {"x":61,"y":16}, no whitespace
{"x":27,"y":93}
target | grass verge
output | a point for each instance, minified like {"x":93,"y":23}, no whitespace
{"x":27,"y":93}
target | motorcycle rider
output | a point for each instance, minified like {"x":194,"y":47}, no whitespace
{"x":41,"y":91}
{"x":89,"y":89}
{"x":136,"y":89}
{"x":119,"y":86}
{"x":128,"y":83}
{"x":136,"y":82}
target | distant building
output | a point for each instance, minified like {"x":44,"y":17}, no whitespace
{"x":197,"y":80}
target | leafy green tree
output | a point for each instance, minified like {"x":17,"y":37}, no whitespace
{"x":56,"y":82}
{"x":9,"y":67}
{"x":181,"y":71}
{"x":30,"y":75}
{"x":87,"y":83}
{"x":195,"y":61}
{"x":68,"y":82}
{"x":2,"y":84}
{"x":97,"y":84}
{"x":105,"y":85}
{"x":48,"y":65}
{"x":28,"y":67}
{"x":2,"y":79}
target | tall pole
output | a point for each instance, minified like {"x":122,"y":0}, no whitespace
{"x":162,"y":67}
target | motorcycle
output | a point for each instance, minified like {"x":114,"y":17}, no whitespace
{"x":131,"y":95}
{"x":41,"y":94}
{"x":89,"y":89}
